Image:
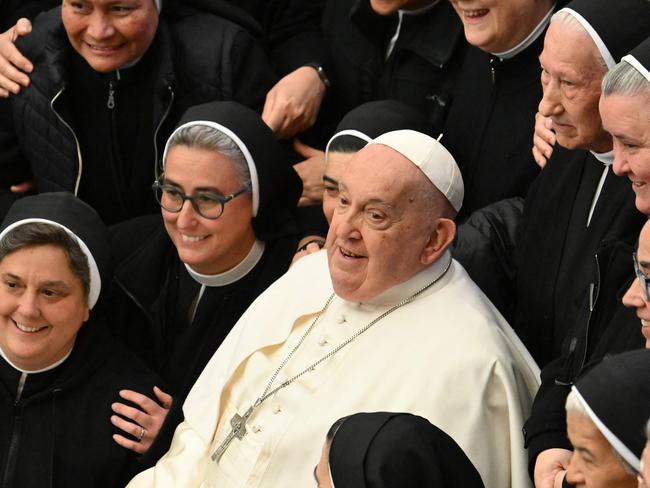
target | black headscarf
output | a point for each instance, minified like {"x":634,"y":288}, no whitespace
{"x":78,"y":218}
{"x":276,"y":187}
{"x":616,"y":394}
{"x":373,"y":119}
{"x":639,"y":58}
{"x":620,"y":24}
{"x":397,"y":450}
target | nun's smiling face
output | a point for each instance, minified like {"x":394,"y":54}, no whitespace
{"x":627,"y":119}
{"x":110,"y":34}
{"x":208,"y":246}
{"x":42,"y":306}
{"x":593,"y":463}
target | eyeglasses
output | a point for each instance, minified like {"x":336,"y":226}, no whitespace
{"x":643,"y":279}
{"x":207,"y":204}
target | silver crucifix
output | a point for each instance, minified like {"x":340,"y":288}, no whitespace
{"x":238,"y":430}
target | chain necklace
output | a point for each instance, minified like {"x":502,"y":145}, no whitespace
{"x":238,"y":422}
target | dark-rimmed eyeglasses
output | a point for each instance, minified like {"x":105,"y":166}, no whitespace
{"x":206,"y":203}
{"x":644,"y":281}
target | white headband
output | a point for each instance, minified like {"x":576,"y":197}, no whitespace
{"x":346,"y":132}
{"x":602,"y":48}
{"x":613,"y":440}
{"x":252,"y":169}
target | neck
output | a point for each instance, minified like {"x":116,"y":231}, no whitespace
{"x":33,"y":369}
{"x":539,"y":20}
{"x":237,"y":272}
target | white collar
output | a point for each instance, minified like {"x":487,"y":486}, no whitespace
{"x":42,"y":370}
{"x":532,"y":37}
{"x":234,"y":274}
{"x":407,"y":288}
{"x":607,"y":158}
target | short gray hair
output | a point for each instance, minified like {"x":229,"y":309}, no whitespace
{"x":574,"y":405}
{"x":211,"y":139}
{"x":566,"y":19}
{"x":625,"y":79}
{"x":33,"y":234}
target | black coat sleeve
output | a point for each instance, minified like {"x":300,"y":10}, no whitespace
{"x":252,"y":74}
{"x":294,"y":35}
{"x":485,"y":245}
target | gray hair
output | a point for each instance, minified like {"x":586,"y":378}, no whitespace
{"x":574,"y":405}
{"x":567,"y":20}
{"x":211,"y":139}
{"x":625,"y":79}
{"x":34,"y":234}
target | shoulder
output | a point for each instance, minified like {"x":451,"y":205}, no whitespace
{"x":128,"y":236}
{"x":204,"y":34}
{"x":47,"y":34}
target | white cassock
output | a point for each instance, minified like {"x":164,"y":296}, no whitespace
{"x":448,"y":356}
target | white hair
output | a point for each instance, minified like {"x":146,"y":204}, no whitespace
{"x":575,"y":406}
{"x":625,"y":79}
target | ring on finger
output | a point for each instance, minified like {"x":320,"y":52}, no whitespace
{"x":141,"y":435}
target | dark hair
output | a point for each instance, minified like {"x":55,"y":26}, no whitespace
{"x":34,"y":234}
{"x":347,"y":143}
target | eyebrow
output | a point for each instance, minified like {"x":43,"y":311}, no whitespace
{"x":330,"y":180}
{"x":644,"y":264}
{"x":370,"y":201}
{"x":212,"y":189}
{"x":49,"y":283}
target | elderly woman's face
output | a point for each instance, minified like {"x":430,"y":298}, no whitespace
{"x":42,"y":306}
{"x":109,"y":34}
{"x":593,"y":464}
{"x":208,"y":246}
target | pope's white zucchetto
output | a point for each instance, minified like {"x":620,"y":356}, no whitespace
{"x":432,"y":158}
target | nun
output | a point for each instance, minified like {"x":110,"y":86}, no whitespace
{"x":107,"y":93}
{"x":606,"y":412}
{"x":226,"y":231}
{"x":392,"y":450}
{"x":60,"y":370}
{"x":625,"y":110}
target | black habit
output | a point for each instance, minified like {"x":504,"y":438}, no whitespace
{"x":489,"y":129}
{"x":154,"y":291}
{"x":558,"y":253}
{"x":397,"y":450}
{"x":419,"y":70}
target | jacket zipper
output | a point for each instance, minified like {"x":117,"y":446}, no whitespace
{"x":76,"y":141}
{"x":10,"y":465}
{"x":155,"y":134}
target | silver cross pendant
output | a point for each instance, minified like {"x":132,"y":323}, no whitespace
{"x":237,"y":431}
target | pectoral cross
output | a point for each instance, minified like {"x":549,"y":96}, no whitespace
{"x":238,"y":430}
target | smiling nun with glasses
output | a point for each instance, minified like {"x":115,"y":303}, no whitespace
{"x":227,"y":232}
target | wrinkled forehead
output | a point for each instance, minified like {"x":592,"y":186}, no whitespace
{"x":381,"y":172}
{"x":566,"y":47}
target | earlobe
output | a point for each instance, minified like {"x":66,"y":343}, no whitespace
{"x":440,"y":239}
